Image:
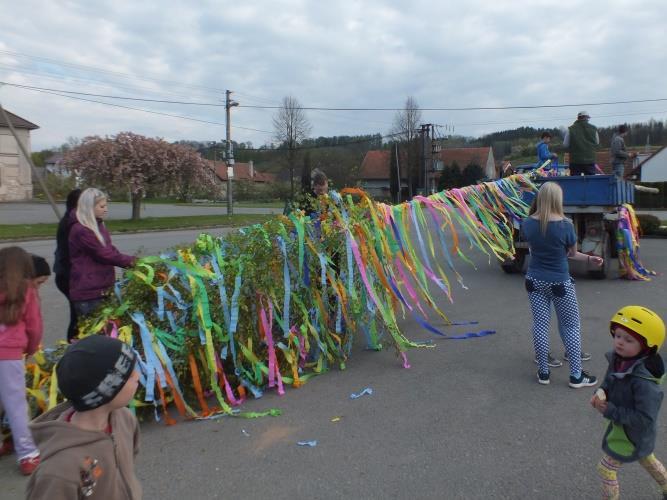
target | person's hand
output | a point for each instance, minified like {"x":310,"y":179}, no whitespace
{"x":554,"y":156}
{"x":633,"y":155}
{"x":598,"y":404}
{"x":598,"y":261}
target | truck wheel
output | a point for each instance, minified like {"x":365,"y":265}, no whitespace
{"x":603,"y":272}
{"x":612,"y":239}
{"x":516,"y":265}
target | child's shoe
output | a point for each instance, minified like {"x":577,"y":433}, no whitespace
{"x":7,"y":447}
{"x":584,"y":380}
{"x":552,"y":362}
{"x":28,"y":465}
{"x":585,"y":356}
{"x":543,"y":378}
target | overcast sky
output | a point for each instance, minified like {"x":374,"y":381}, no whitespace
{"x":342,"y":53}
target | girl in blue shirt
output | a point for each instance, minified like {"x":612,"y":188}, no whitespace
{"x":552,"y":241}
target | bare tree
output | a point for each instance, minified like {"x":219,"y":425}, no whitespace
{"x":406,"y":130}
{"x":406,"y":121}
{"x":291,"y":126}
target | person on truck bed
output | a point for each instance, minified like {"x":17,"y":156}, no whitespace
{"x":618,"y":153}
{"x":581,"y":140}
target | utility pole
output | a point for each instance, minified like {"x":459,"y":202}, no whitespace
{"x":229,"y":104}
{"x":425,"y":134}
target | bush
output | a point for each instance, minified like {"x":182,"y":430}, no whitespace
{"x":648,"y":223}
{"x":58,"y":186}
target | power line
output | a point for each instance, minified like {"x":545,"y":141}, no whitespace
{"x":97,"y":82}
{"x":108,"y":72}
{"x":322,"y":108}
{"x":471,"y":108}
{"x":44,"y":91}
{"x":89,"y":94}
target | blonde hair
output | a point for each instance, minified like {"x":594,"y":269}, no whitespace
{"x":549,"y":202}
{"x":85,"y":211}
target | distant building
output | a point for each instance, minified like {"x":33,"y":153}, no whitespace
{"x":242,"y":172}
{"x":374,"y":172}
{"x":15,"y":175}
{"x":54,"y":165}
{"x":652,"y":168}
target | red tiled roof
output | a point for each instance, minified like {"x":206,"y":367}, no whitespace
{"x":17,"y":121}
{"x":465,"y":156}
{"x":242,"y":173}
{"x":375,"y":165}
{"x":376,"y":162}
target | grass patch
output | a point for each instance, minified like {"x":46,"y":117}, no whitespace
{"x":17,"y":231}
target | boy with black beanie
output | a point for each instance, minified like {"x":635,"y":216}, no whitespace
{"x":88,"y":443}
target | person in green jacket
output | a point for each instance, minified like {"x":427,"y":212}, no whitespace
{"x":581,"y":140}
{"x":630,"y":397}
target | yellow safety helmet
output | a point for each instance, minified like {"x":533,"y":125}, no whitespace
{"x":643,"y":322}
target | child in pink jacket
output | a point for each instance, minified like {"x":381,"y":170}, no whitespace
{"x":20,"y":334}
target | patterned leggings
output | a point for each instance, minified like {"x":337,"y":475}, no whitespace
{"x":564,"y":298}
{"x":608,"y":467}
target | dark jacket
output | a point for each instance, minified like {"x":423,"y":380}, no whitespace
{"x":61,"y":264}
{"x":73,"y":457}
{"x":583,"y":141}
{"x":633,"y":402}
{"x":92,"y":271}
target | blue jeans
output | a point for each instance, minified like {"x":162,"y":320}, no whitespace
{"x":85,"y":307}
{"x":619,"y":170}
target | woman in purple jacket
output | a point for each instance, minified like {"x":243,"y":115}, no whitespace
{"x":92,"y":256}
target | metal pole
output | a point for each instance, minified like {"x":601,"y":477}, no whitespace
{"x":29,"y":160}
{"x":230,"y":154}
{"x":398,"y":174}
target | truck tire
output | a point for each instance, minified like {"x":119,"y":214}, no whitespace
{"x":604,"y":271}
{"x":516,"y":265}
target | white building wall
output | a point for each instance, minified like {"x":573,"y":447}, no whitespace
{"x":655,"y":168}
{"x":15,"y":175}
{"x":490,"y":169}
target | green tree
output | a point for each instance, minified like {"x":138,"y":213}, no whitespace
{"x":450,"y":177}
{"x":471,"y":174}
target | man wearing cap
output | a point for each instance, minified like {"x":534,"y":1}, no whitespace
{"x":88,"y":444}
{"x":581,"y":140}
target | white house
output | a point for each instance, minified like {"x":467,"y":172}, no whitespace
{"x":54,"y":165}
{"x":653,"y":168}
{"x":15,"y":175}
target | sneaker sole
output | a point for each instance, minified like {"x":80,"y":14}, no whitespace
{"x":583,"y":384}
{"x":543,"y":382}
{"x":588,"y":358}
{"x":550,"y":365}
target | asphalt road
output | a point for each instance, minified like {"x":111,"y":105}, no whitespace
{"x":34,"y":213}
{"x":467,"y":420}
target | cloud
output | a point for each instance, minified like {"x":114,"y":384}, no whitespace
{"x":349,"y":53}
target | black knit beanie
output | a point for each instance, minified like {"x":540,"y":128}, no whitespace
{"x":40,"y":266}
{"x":94,"y":370}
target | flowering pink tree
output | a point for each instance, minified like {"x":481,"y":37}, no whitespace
{"x":140,"y":164}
